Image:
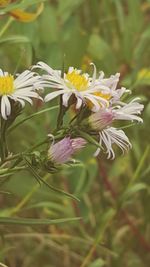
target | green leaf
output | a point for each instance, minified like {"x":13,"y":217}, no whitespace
{"x":132,"y":190}
{"x":6,"y":171}
{"x":97,"y":263}
{"x":120,"y":14}
{"x":65,"y":8}
{"x":140,"y":165}
{"x":142,"y":47}
{"x":104,"y":222}
{"x":98,"y":48}
{"x":51,"y":34}
{"x":132,"y":27}
{"x":15,"y":39}
{"x":52,"y":206}
{"x":5,"y":192}
{"x":25,"y":221}
{"x":37,"y":176}
{"x":32,"y":116}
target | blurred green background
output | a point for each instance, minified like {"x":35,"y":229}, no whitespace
{"x":114,"y":195}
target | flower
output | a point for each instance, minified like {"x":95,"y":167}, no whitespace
{"x":128,"y":111}
{"x":95,"y":93}
{"x":78,"y":143}
{"x":112,"y":83}
{"x":102,"y":120}
{"x":110,"y":136}
{"x":62,"y":151}
{"x":21,"y":89}
{"x":19,"y":14}
{"x":104,"y":117}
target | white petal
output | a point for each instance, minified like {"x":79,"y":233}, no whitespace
{"x":65,"y":98}
{"x":94,"y":74}
{"x":21,"y":102}
{"x":1,"y":73}
{"x":79,"y":102}
{"x":52,"y":95}
{"x":48,"y":69}
{"x":129,"y":111}
{"x":95,"y":103}
{"x":112,"y":136}
{"x":7,"y":105}
{"x":96,"y":153}
{"x":101,"y":75}
{"x":3,"y":108}
{"x":28,"y":99}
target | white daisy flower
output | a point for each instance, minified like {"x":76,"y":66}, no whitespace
{"x":112,"y":83}
{"x":128,"y":111}
{"x":105,"y":116}
{"x":95,"y":93}
{"x":102,"y":120}
{"x":20,"y":89}
{"x":110,"y":136}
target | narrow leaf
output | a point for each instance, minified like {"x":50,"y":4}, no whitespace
{"x":32,"y":116}
{"x":37,"y":176}
{"x":25,"y":221}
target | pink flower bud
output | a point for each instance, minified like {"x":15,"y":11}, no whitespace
{"x":101,"y":119}
{"x":63,"y":150}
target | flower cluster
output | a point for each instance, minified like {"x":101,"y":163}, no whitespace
{"x":97,"y":96}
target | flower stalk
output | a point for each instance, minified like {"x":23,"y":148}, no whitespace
{"x":3,"y":141}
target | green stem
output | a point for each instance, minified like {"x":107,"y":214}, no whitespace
{"x":6,"y":170}
{"x":140,"y":166}
{"x":27,"y":197}
{"x":30,"y":117}
{"x":62,"y":111}
{"x":3,"y":143}
{"x":6,"y":26}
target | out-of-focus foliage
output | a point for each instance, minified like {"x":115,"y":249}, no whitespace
{"x":114,"y":195}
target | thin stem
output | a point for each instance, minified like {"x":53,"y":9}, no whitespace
{"x":140,"y":165}
{"x":134,"y":229}
{"x":3,"y":143}
{"x":11,"y":158}
{"x":6,"y":26}
{"x":62,"y":111}
{"x":7,"y":171}
{"x":26,"y":199}
{"x":30,"y":117}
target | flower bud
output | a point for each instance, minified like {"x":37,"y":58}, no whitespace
{"x":101,"y":119}
{"x":63,"y":150}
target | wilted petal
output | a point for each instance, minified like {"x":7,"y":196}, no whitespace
{"x":26,"y":16}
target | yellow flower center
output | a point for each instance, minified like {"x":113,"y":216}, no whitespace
{"x":80,"y":82}
{"x":76,"y":80}
{"x":6,"y":85}
{"x":104,"y":96}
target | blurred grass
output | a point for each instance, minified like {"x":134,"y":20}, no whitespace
{"x":115,"y":35}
